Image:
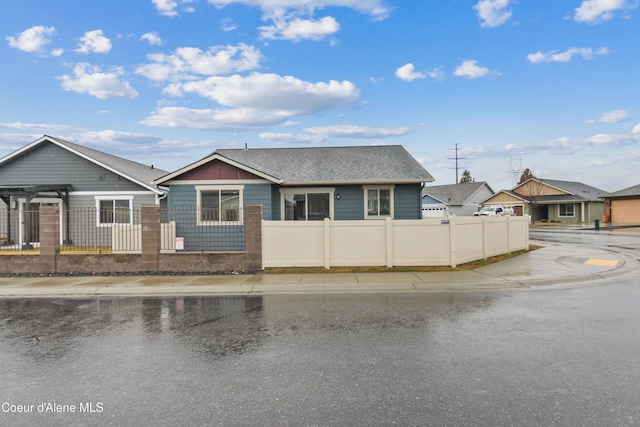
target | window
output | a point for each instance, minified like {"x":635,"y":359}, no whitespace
{"x":113,"y":211}
{"x":566,"y":210}
{"x":378,"y":202}
{"x":219,"y":205}
{"x":307,"y":204}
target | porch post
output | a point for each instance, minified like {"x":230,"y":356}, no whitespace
{"x":49,"y":238}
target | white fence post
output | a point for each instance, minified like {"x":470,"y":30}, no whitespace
{"x":452,"y":242}
{"x":389,"y":227}
{"x":327,"y":243}
{"x":508,"y":234}
{"x":484,"y":237}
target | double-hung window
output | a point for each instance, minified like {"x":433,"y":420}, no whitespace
{"x":566,"y":210}
{"x":219,"y":205}
{"x":113,"y":210}
{"x":378,"y":202}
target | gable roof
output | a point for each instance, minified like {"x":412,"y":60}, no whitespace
{"x":139,"y":173}
{"x":626,"y":192}
{"x":321,"y":165}
{"x":576,"y":191}
{"x":454,"y":194}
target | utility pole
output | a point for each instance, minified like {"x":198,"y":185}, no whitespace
{"x":515,"y":169}
{"x":456,"y":158}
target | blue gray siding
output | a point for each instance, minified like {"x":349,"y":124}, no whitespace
{"x":407,"y":201}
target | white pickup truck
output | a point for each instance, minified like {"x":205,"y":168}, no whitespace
{"x":494,"y":211}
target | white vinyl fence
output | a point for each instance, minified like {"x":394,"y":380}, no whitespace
{"x":427,"y":242}
{"x":127,"y":238}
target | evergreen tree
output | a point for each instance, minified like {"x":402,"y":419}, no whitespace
{"x":466,"y":177}
{"x":526,"y":175}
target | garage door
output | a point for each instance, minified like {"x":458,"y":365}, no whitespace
{"x":625,"y":211}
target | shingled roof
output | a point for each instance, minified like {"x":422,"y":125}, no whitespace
{"x":454,"y":194}
{"x":137,"y":172}
{"x":317,"y":165}
{"x":627,"y":192}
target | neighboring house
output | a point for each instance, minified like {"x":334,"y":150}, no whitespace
{"x":455,"y":199}
{"x":623,"y":207}
{"x":552,"y":200}
{"x":51,"y":171}
{"x":299,"y":184}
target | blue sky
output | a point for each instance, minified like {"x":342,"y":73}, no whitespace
{"x":548,"y":85}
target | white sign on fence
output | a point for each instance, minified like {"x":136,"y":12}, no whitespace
{"x":179,"y":243}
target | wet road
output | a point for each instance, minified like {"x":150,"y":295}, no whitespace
{"x":528,"y":358}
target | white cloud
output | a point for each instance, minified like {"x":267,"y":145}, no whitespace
{"x":228,"y":24}
{"x":300,"y":29}
{"x":255,"y":101}
{"x":596,"y":11}
{"x":360,"y":132}
{"x":374,"y":8}
{"x":90,"y":80}
{"x":168,"y":7}
{"x":323,"y":134}
{"x":569,"y":145}
{"x":187,"y":62}
{"x":407,"y":73}
{"x":615,"y":116}
{"x":567,"y":55}
{"x":472,"y":70}
{"x":94,"y":42}
{"x":293,"y":19}
{"x":493,"y":13}
{"x":636,"y":129}
{"x":32,"y":39}
{"x":152,"y":38}
{"x":33,"y":126}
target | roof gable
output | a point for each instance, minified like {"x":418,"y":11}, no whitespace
{"x":633,"y":191}
{"x":135,"y":172}
{"x":556,"y":189}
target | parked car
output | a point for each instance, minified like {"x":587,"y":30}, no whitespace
{"x":494,"y":211}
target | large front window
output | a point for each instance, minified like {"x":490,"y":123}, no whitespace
{"x":113,"y":211}
{"x":219,"y":205}
{"x":307,"y":205}
{"x":378,"y":202}
{"x":566,"y":210}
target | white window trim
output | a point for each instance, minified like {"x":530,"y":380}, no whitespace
{"x":98,"y":199}
{"x":201,"y":188}
{"x":366,"y":189}
{"x":567,"y":216}
{"x":307,"y":190}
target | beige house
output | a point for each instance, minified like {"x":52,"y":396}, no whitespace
{"x":552,"y":200}
{"x":623,"y":207}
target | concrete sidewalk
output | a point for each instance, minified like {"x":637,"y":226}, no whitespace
{"x":551,"y":265}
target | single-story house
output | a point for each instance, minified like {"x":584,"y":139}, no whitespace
{"x":552,"y":200}
{"x":623,"y":207}
{"x":51,"y":171}
{"x":454,"y":199}
{"x":301,"y":184}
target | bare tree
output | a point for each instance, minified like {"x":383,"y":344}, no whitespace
{"x":532,"y":190}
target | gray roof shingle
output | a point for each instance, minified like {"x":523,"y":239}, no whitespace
{"x":454,"y":194}
{"x":626,"y":192}
{"x":383,"y":163}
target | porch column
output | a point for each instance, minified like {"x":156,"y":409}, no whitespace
{"x":253,"y":237}
{"x":49,"y":238}
{"x":150,"y":238}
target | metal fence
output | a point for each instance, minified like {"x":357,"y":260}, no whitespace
{"x":184,"y":228}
